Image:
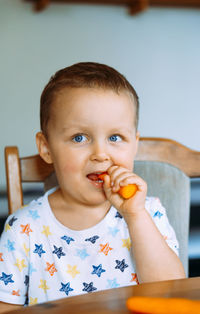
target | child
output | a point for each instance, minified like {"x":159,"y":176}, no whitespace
{"x":82,"y":236}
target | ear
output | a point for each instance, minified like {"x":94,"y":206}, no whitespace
{"x":43,"y":148}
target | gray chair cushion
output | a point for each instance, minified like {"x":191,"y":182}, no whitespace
{"x":172,"y":186}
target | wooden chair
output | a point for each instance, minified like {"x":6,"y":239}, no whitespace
{"x":164,"y":164}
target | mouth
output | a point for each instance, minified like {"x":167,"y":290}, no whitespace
{"x":95,"y":177}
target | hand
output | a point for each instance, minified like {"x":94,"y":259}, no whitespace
{"x":118,"y":177}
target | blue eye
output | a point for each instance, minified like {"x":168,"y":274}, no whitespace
{"x":79,"y":138}
{"x":115,"y":138}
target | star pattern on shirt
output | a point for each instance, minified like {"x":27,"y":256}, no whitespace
{"x":98,"y":270}
{"x":31,"y":268}
{"x":72,"y":270}
{"x":113,"y":231}
{"x":92,"y":239}
{"x":20,"y":264}
{"x":33,"y":214}
{"x":158,"y":214}
{"x":33,"y":301}
{"x":121,"y":265}
{"x":43,"y":285}
{"x":6,"y":278}
{"x":39,"y":249}
{"x":66,"y":288}
{"x":7,"y":227}
{"x":26,"y":229}
{"x":134,"y":278}
{"x":27,"y":250}
{"x":11,"y":221}
{"x":118,"y":215}
{"x":126,"y":243}
{"x":14,"y":292}
{"x":67,"y":239}
{"x":58,"y":251}
{"x":1,"y":257}
{"x":10,"y":245}
{"x":82,"y":253}
{"x":46,"y":231}
{"x":88,"y":287}
{"x":105,"y":248}
{"x":51,"y":268}
{"x":112,"y":283}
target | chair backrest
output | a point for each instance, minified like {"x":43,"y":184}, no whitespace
{"x":164,"y":164}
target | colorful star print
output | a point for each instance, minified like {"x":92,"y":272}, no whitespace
{"x":92,"y":239}
{"x":72,"y":270}
{"x":88,"y":287}
{"x":10,"y":246}
{"x":118,"y":215}
{"x":126,"y":243}
{"x":26,"y":229}
{"x":82,"y":253}
{"x":51,"y":268}
{"x":14,"y":292}
{"x":20,"y":264}
{"x":98,"y":270}
{"x":39,"y":250}
{"x":1,"y":258}
{"x":113,"y":231}
{"x":105,"y":248}
{"x":46,"y":231}
{"x":58,"y":251}
{"x":158,"y":214}
{"x":33,"y":301}
{"x":67,"y":239}
{"x":43,"y":285}
{"x":33,"y":214}
{"x":112,"y":283}
{"x":31,"y":268}
{"x":121,"y":265}
{"x":134,"y":278}
{"x":12,"y":220}
{"x":6,"y":278}
{"x":26,"y":249}
{"x":66,"y":288}
{"x":7,"y":227}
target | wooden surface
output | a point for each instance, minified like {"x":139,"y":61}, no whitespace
{"x":114,"y":300}
{"x":135,"y":6}
{"x":172,"y":152}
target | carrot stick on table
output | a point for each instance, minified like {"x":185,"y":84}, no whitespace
{"x":125,"y":191}
{"x":155,"y":305}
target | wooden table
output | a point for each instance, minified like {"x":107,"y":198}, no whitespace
{"x":114,"y":300}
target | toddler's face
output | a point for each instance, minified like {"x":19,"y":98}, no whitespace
{"x":89,"y":131}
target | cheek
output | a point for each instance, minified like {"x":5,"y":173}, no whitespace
{"x":125,"y":159}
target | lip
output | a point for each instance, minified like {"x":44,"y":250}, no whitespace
{"x":94,"y":180}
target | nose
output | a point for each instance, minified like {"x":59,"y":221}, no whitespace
{"x":99,"y":152}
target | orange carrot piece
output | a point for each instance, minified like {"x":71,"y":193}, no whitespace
{"x":125,"y":191}
{"x":154,"y":305}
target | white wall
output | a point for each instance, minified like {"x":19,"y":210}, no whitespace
{"x":158,"y":51}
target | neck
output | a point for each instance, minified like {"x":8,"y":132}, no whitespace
{"x":76,"y":216}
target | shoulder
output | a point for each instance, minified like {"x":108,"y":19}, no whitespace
{"x":27,"y":214}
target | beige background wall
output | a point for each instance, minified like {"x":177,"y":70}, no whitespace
{"x":158,"y":51}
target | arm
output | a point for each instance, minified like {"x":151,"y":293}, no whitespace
{"x":5,"y":307}
{"x":154,"y":259}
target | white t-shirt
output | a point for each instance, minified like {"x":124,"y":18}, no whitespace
{"x":42,"y":260}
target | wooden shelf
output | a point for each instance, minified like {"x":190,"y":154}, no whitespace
{"x":134,"y":6}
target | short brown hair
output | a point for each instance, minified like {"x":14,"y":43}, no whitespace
{"x":84,"y":74}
